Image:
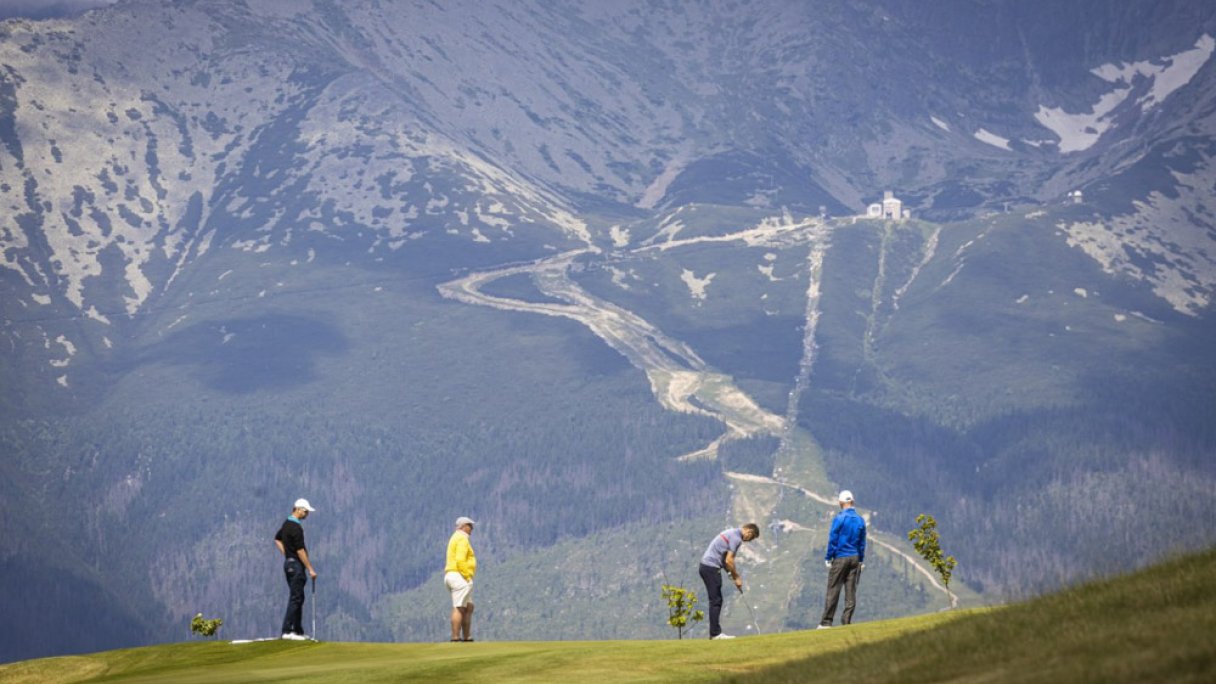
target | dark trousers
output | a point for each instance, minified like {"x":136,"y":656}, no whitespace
{"x":297,"y":579}
{"x":713,"y":591}
{"x":844,"y":573}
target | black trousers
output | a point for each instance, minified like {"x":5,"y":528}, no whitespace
{"x":713,"y":591}
{"x":297,"y":579}
{"x":844,"y":573}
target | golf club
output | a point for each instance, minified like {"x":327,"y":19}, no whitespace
{"x":749,"y":611}
{"x":314,"y":608}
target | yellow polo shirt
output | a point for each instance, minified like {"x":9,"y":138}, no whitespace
{"x":460,"y":556}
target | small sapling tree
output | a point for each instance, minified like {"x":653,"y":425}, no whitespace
{"x":205,"y":627}
{"x":927,"y":544}
{"x":681,"y":607}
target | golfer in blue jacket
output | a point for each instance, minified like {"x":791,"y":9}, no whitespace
{"x":846,"y":558}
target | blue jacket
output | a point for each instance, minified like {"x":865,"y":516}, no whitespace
{"x":848,"y":536}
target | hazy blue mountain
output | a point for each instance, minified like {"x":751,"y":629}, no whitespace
{"x":603,"y":277}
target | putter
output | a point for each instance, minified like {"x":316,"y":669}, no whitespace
{"x":749,"y":611}
{"x":314,"y":609}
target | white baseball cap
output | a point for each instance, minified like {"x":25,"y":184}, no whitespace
{"x":845,"y":496}
{"x":303,"y":503}
{"x":462,"y":521}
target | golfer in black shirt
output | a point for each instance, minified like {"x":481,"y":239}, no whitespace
{"x":290,"y":540}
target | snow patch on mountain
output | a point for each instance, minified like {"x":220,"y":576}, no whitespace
{"x":986,"y":136}
{"x":67,"y":347}
{"x":1164,"y":241}
{"x":696,"y":286}
{"x":1168,"y":74}
{"x":668,"y":229}
{"x":619,"y":276}
{"x":620,"y":236}
{"x":1080,"y":131}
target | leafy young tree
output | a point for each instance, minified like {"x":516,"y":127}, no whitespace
{"x":681,"y":607}
{"x":205,"y":627}
{"x":927,"y":544}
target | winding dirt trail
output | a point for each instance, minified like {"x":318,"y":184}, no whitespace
{"x":676,"y":373}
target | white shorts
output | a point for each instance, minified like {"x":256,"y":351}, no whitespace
{"x":460,"y":589}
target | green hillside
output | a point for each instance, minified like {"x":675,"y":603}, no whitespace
{"x":1153,"y":625}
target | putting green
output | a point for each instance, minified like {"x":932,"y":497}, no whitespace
{"x":588,"y":661}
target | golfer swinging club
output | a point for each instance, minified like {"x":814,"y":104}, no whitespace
{"x":290,"y":542}
{"x":718,"y":557}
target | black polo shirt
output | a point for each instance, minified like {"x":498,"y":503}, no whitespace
{"x":292,"y":536}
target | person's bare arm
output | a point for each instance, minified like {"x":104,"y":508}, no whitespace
{"x":729,"y":562}
{"x":280,"y":545}
{"x":307,"y":563}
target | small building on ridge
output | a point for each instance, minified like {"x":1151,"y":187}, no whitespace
{"x":891,"y":207}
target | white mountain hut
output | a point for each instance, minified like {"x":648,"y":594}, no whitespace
{"x":891,"y":207}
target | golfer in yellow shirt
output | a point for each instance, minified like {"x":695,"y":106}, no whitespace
{"x":458,"y":578}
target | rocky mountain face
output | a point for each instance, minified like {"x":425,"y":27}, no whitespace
{"x":579,"y":268}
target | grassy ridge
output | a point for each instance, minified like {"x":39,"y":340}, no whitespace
{"x":1155,"y":625}
{"x":1151,"y":626}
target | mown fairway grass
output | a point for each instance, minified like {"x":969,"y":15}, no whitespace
{"x":1156,"y":625}
{"x":522,"y":661}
